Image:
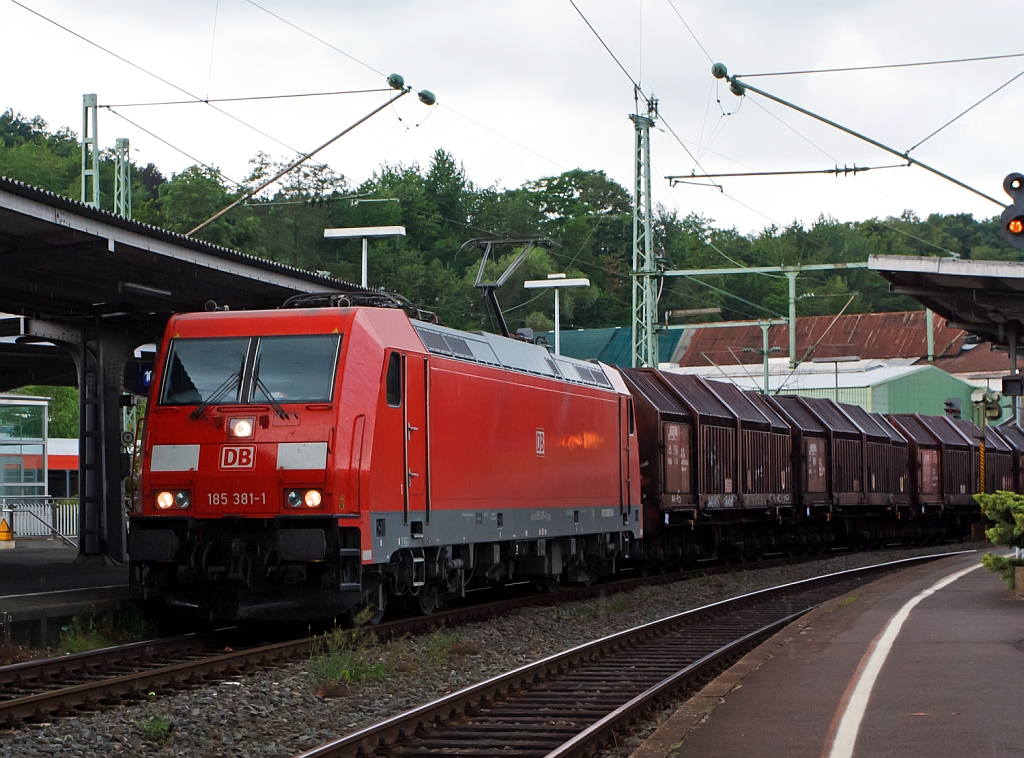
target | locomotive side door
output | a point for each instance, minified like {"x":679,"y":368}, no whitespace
{"x":415,"y":418}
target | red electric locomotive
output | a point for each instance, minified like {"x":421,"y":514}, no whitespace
{"x":303,"y":462}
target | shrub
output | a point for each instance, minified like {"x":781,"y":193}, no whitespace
{"x":1006,"y":511}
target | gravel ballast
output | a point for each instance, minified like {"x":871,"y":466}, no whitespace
{"x":281,"y":712}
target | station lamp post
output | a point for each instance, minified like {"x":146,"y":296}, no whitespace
{"x":555,"y":282}
{"x":837,"y":360}
{"x":365,"y":232}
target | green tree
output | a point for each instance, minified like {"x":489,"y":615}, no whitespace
{"x":1006,"y":511}
{"x":63,"y":408}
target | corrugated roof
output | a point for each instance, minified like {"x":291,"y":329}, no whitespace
{"x":799,"y":380}
{"x":976,"y":359}
{"x":869,"y":335}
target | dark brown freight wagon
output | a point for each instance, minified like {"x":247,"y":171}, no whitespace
{"x":744,"y":459}
{"x":927,"y":489}
{"x":888,"y":467}
{"x":925,"y":453}
{"x":958,"y":463}
{"x":845,"y":453}
{"x":880,"y":455}
{"x":665,"y":442}
{"x":810,"y":453}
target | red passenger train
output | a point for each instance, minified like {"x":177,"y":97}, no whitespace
{"x":305,"y":462}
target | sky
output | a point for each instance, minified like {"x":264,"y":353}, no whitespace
{"x":525,"y":90}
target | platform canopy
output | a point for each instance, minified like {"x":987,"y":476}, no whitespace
{"x":62,"y":257}
{"x":63,"y":262}
{"x":985,"y":298}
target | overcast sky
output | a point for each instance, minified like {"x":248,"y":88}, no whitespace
{"x":544,"y":94}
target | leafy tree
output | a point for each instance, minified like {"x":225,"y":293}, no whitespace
{"x":1006,"y":511}
{"x":441,"y":208}
{"x":63,"y":408}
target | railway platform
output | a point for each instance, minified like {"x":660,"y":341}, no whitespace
{"x":43,"y":583}
{"x":924,"y":662}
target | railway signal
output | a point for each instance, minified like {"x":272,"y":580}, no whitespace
{"x":1013,"y":215}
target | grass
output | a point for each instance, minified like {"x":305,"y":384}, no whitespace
{"x":85,"y":633}
{"x":81,"y":635}
{"x":345,"y":656}
{"x":847,"y":602}
{"x":442,"y":646}
{"x":156,"y":729}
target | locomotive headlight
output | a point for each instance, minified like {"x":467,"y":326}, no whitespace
{"x":240,"y":427}
{"x":179,"y":499}
{"x":312,"y":499}
{"x":294,"y":498}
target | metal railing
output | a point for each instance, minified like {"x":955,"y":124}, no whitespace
{"x":38,"y":516}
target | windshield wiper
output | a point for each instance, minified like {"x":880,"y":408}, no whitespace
{"x":278,"y":408}
{"x":216,"y":396}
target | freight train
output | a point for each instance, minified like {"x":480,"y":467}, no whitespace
{"x":306,"y":462}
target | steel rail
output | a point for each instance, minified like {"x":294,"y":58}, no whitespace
{"x":28,"y":673}
{"x":70,"y":701}
{"x":395,"y":733}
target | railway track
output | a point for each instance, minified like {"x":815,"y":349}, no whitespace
{"x":571,"y":703}
{"x":40,"y":691}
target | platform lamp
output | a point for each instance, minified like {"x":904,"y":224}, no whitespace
{"x":555,"y":282}
{"x":350,"y":232}
{"x":837,"y":360}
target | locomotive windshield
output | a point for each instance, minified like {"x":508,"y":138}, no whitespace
{"x":198,"y":368}
{"x":286,"y":369}
{"x":295,"y":369}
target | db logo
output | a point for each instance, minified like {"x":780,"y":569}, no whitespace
{"x":540,"y":443}
{"x":238,"y":456}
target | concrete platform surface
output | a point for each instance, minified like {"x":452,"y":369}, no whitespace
{"x":950,"y":685}
{"x":42,"y":583}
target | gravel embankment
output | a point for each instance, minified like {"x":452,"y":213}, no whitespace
{"x":280,"y":713}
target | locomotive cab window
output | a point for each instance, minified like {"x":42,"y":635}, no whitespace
{"x":393,"y":380}
{"x":295,"y":368}
{"x":200,"y":369}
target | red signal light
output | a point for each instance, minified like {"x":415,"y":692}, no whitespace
{"x":1015,"y":226}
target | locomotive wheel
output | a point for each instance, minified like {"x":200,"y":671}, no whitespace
{"x":427,"y":599}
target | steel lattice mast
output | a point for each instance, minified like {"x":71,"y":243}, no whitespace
{"x":122,"y":178}
{"x":645,"y":295}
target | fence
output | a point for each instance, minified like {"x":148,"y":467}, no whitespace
{"x":41,"y":517}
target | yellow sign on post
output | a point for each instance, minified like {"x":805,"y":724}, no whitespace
{"x":6,"y":535}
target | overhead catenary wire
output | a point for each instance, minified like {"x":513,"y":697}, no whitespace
{"x":883,"y":66}
{"x":680,"y":15}
{"x":445,"y":106}
{"x":249,"y":98}
{"x":968,"y":110}
{"x":744,"y":87}
{"x":150,"y":73}
{"x":191,"y":157}
{"x":301,"y":159}
{"x":322,"y":41}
